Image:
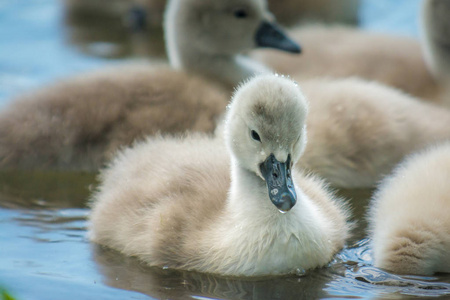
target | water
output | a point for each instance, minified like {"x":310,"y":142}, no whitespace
{"x":38,"y":44}
{"x":31,"y":48}
{"x":397,"y":17}
{"x":44,"y":251}
{"x":45,"y":254}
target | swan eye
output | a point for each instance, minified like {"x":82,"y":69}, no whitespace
{"x":240,"y":13}
{"x":255,"y":136}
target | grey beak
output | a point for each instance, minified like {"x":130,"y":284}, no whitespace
{"x":279,"y":182}
{"x":271,"y":36}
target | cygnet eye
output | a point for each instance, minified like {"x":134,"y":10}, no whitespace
{"x":240,"y":13}
{"x":255,"y":136}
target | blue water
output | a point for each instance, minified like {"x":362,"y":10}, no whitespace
{"x":44,"y":251}
{"x":391,"y":16}
{"x":45,"y":255}
{"x":33,"y":50}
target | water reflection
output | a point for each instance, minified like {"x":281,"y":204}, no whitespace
{"x":359,"y":277}
{"x":44,"y":254}
{"x":108,"y":36}
{"x":358,"y":200}
{"x":128,"y":273}
{"x":45,"y":189}
{"x":32,"y":48}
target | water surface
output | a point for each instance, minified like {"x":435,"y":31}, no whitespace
{"x":45,"y":254}
{"x":44,"y":250}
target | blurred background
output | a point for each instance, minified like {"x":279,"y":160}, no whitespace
{"x":44,"y":251}
{"x":43,"y":40}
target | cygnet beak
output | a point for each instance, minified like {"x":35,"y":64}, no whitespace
{"x":279,"y":182}
{"x":271,"y":36}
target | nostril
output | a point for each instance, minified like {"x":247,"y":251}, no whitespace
{"x":275,"y":175}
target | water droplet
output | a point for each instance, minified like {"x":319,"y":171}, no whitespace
{"x":274,"y":192}
{"x":300,"y":272}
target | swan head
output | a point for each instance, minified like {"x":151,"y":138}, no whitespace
{"x":224,"y":27}
{"x":265,"y":133}
{"x":435,"y":30}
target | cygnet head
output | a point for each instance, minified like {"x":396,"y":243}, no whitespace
{"x":222,"y":27}
{"x":265,"y":132}
{"x":436,"y":33}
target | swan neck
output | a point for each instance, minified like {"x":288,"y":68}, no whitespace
{"x":435,"y":43}
{"x":245,"y":186}
{"x":249,"y":206}
{"x":187,"y":55}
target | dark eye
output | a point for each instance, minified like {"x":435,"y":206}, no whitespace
{"x":255,"y":136}
{"x":240,"y":13}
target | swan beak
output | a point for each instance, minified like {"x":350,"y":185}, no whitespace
{"x":279,"y":182}
{"x":271,"y":36}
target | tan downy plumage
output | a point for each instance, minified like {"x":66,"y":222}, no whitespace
{"x":286,"y":11}
{"x":79,"y":122}
{"x":349,"y":144}
{"x":397,"y":61}
{"x":294,"y":11}
{"x":359,"y":131}
{"x":409,"y":215}
{"x":202,"y":203}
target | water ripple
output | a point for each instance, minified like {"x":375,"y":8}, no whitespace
{"x":356,"y":275}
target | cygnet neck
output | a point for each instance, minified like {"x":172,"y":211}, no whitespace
{"x":184,"y":54}
{"x":249,"y":196}
{"x":434,"y":40}
{"x":249,"y":206}
{"x":230,"y":69}
{"x":246,"y":188}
